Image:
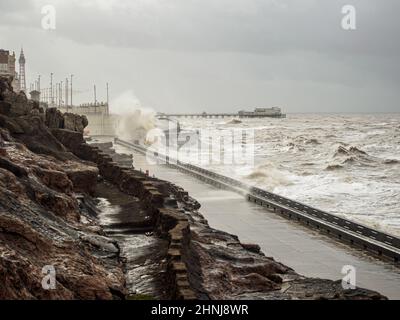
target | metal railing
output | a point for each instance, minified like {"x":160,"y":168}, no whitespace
{"x":378,"y":242}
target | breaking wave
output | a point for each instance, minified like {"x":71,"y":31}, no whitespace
{"x":351,"y":156}
{"x":391,"y":161}
{"x":134,"y":121}
{"x":333,"y":167}
{"x":350,"y":151}
{"x":354,"y":156}
{"x":233,"y":121}
{"x":269,"y":176}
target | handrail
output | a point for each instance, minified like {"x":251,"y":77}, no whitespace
{"x":283,"y":202}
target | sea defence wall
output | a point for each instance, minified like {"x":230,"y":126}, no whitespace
{"x":100,"y":123}
{"x":372,"y":241}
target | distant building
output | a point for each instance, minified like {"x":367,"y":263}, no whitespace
{"x":273,"y":112}
{"x":35,"y":95}
{"x":7,"y":67}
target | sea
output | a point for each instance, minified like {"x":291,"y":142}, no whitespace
{"x":345,"y":164}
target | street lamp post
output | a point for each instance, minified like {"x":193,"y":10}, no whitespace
{"x":71,"y":91}
{"x":51,"y":89}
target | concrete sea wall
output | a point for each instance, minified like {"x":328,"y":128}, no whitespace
{"x":168,"y":221}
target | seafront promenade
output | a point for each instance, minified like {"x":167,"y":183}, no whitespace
{"x":307,"y":251}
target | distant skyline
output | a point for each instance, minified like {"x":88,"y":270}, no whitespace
{"x":215,"y":55}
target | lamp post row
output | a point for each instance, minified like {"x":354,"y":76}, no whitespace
{"x":62,"y":93}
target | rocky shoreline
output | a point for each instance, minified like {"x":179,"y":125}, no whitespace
{"x":50,"y":186}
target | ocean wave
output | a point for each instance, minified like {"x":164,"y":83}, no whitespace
{"x":233,"y":121}
{"x":305,"y":140}
{"x":341,"y":150}
{"x":292,"y":147}
{"x":302,"y":140}
{"x":333,"y":167}
{"x":391,"y":161}
{"x":351,"y":156}
{"x":308,"y":164}
{"x":268,"y":176}
{"x":351,"y":129}
{"x":312,"y":141}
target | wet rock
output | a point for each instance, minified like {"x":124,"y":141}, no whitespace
{"x":100,"y":242}
{"x":13,"y":168}
{"x":5,"y":107}
{"x":20,"y":105}
{"x":54,"y":118}
{"x":54,"y":179}
{"x":11,"y":125}
{"x":38,"y":227}
{"x":83,"y":177}
{"x":40,"y":216}
{"x":67,"y":137}
{"x":251,"y":247}
{"x":74,"y":122}
{"x":320,"y":289}
{"x":5,"y":86}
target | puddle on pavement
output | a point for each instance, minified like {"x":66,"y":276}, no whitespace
{"x":123,"y":219}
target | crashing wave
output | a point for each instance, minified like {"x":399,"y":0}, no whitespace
{"x":391,"y":161}
{"x":306,"y":141}
{"x":350,"y":160}
{"x":333,"y":167}
{"x":268,"y":176}
{"x":341,"y":150}
{"x":290,"y":146}
{"x":233,"y":121}
{"x":312,"y":141}
{"x":352,"y":156}
{"x":355,"y":150}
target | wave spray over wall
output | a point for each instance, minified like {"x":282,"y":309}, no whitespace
{"x":134,"y":120}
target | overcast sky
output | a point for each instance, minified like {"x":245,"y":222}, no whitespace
{"x":216,"y":55}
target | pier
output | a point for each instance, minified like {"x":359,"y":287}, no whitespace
{"x":257,"y":113}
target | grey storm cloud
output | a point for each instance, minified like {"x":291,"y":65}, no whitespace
{"x":222,"y":53}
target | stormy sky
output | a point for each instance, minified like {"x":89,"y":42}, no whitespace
{"x":215,"y":55}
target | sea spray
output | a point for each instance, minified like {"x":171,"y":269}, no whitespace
{"x":267,"y":176}
{"x":133,"y":120}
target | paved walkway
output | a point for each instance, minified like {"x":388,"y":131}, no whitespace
{"x":306,"y":251}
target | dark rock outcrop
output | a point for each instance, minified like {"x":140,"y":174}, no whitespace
{"x":42,"y":219}
{"x":69,"y":121}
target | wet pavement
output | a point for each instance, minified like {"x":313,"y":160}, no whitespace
{"x":122,"y":219}
{"x":306,"y":251}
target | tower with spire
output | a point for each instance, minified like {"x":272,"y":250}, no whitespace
{"x":22,"y":78}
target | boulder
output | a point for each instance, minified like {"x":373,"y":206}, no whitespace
{"x":70,"y":139}
{"x":83,"y":177}
{"x":39,"y":226}
{"x":20,"y":106}
{"x":54,"y":118}
{"x":74,"y":122}
{"x":5,"y":86}
{"x":5,"y":107}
